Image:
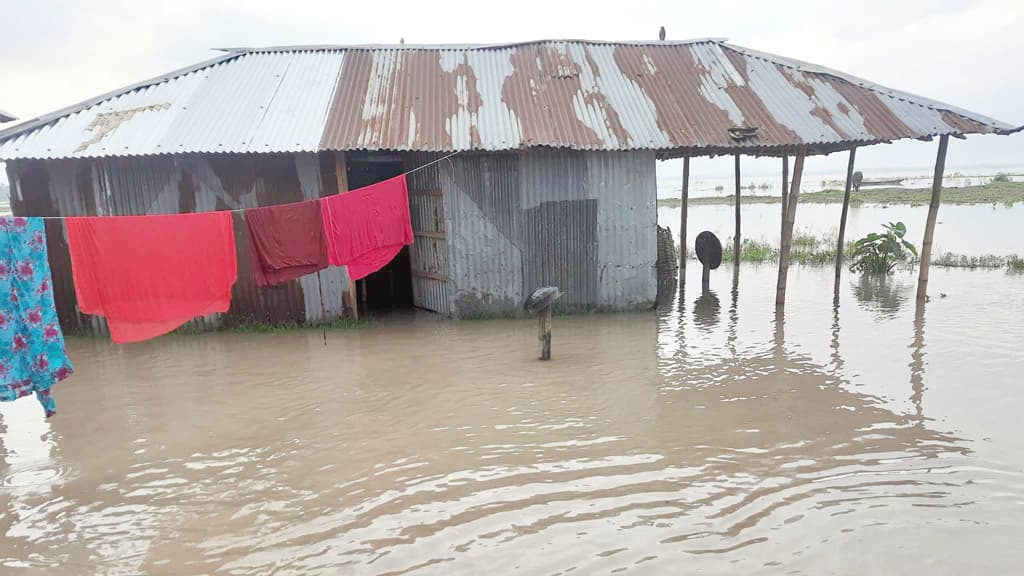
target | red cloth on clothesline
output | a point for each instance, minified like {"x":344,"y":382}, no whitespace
{"x":150,"y":274}
{"x":367,"y":227}
{"x":286,"y":241}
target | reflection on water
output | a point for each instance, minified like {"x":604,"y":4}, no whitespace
{"x":706,"y":309}
{"x":749,"y":443}
{"x":882,"y":293}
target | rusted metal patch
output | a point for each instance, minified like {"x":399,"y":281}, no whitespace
{"x":541,"y":92}
{"x":879,"y":120}
{"x":771,"y":130}
{"x":106,"y":122}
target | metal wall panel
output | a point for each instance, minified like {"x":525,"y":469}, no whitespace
{"x":558,"y":234}
{"x":625,"y":189}
{"x":429,"y":254}
{"x":481,"y":193}
{"x":583,"y":221}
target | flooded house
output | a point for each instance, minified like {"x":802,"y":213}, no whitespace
{"x":531,"y":163}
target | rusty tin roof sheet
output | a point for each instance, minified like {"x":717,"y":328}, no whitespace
{"x":702,"y":96}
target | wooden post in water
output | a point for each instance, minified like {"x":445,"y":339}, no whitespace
{"x":341,"y":174}
{"x":842,"y":218}
{"x":785,"y":197}
{"x":682,"y":219}
{"x":736,"y":239}
{"x":933,"y":213}
{"x":540,"y":301}
{"x":544,"y":332}
{"x":787,"y":233}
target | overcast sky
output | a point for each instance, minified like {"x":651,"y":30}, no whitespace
{"x":55,"y":53}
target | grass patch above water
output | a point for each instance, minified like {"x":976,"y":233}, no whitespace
{"x":251,"y":326}
{"x":1012,"y":263}
{"x":806,"y":249}
{"x":1006,"y":193}
{"x":821,"y":251}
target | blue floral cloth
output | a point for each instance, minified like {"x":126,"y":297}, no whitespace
{"x":32,"y":356}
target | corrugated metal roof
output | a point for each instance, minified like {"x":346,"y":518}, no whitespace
{"x":256,"y":102}
{"x":664,"y":96}
{"x":5,"y":117}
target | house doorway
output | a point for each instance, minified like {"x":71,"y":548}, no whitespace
{"x":390,"y":287}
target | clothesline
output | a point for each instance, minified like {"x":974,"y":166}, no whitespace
{"x":148,"y":275}
{"x":431,"y":163}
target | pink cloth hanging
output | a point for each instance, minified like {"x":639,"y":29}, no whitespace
{"x":367,"y":227}
{"x":150,"y":274}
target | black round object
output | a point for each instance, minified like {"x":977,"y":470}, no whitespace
{"x":709,"y":249}
{"x":541,"y":298}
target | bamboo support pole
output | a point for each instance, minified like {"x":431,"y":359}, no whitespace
{"x":736,"y":238}
{"x":351,"y":308}
{"x":682,"y":219}
{"x":785,"y":197}
{"x":842,"y":218}
{"x":933,"y":213}
{"x":787,"y":233}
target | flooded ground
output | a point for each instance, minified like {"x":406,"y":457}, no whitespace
{"x":863,"y":439}
{"x":717,"y":181}
{"x":974,"y":230}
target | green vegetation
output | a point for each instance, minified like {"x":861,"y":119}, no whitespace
{"x":252,"y":326}
{"x":996,"y":192}
{"x":881,"y":253}
{"x":820,"y":251}
{"x":1012,"y":263}
{"x":806,"y":249}
{"x":1001,"y":177}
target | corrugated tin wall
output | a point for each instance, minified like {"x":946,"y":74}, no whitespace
{"x":583,"y":221}
{"x":624,"y":184}
{"x":481,"y":195}
{"x":489,"y":228}
{"x":431,"y":281}
{"x":173,"y":184}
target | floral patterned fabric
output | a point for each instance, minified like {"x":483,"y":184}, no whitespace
{"x":32,"y":356}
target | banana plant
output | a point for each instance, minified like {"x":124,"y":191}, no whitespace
{"x":881,"y":253}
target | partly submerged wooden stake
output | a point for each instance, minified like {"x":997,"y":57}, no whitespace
{"x":787,"y":233}
{"x":933,"y":212}
{"x":540,"y":301}
{"x":736,"y":239}
{"x":842,"y":218}
{"x":682,"y":219}
{"x":544,"y":326}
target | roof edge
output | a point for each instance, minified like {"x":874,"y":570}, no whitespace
{"x":40,"y":121}
{"x":7,"y":117}
{"x":318,"y":47}
{"x":998,"y":126}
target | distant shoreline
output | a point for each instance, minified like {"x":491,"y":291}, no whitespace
{"x":1007,"y":193}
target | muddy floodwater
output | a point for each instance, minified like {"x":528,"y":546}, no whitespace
{"x":708,"y":437}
